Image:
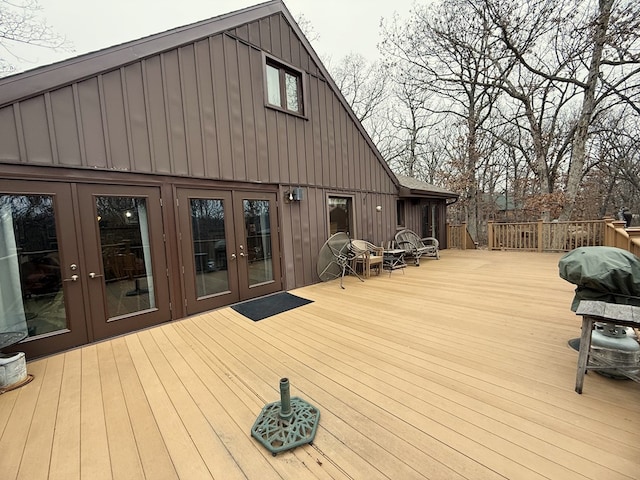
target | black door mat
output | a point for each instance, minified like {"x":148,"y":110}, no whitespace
{"x":265,"y":307}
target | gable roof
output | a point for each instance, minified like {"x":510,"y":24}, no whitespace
{"x":36,"y":81}
{"x":410,"y":187}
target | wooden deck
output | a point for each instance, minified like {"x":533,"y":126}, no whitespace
{"x":457,"y":369}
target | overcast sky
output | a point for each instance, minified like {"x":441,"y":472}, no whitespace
{"x":343,"y":26}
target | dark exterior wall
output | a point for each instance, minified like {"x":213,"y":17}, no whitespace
{"x":199,"y":111}
{"x":414,"y":217}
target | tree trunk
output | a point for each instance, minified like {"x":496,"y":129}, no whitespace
{"x":578,"y":153}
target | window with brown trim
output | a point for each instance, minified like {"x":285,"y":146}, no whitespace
{"x":284,"y":87}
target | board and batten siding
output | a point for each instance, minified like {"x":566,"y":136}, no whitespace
{"x":199,"y":111}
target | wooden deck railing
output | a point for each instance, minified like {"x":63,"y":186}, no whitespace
{"x":458,"y":237}
{"x":550,"y":236}
{"x":618,"y":236}
{"x":545,"y":236}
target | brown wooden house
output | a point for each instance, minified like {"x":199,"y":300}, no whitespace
{"x":177,"y":173}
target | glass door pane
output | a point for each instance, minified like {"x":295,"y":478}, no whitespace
{"x":209,"y":246}
{"x":258,"y":241}
{"x":31,"y":295}
{"x":208,"y":249}
{"x":126,"y":254}
{"x":256,"y":223}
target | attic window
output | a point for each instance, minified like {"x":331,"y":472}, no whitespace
{"x":284,"y":87}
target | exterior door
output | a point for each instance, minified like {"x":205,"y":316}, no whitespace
{"x":125,"y":266}
{"x":41,"y":292}
{"x":229,"y":252}
{"x":80,"y":267}
{"x":258,"y":250}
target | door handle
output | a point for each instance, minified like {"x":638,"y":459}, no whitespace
{"x":233,"y":256}
{"x":94,"y":275}
{"x":74,"y":278}
{"x":242,"y":254}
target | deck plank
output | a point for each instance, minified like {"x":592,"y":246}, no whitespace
{"x":457,"y":369}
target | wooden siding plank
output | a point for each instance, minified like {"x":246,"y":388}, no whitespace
{"x":247,"y":105}
{"x":330,"y":157}
{"x":238,"y":157}
{"x":175,"y":113}
{"x":283,"y":152}
{"x":116,"y":122}
{"x":342,"y":162}
{"x":285,"y":39}
{"x":137,"y":117}
{"x":157,"y":115}
{"x":292,"y":149}
{"x":9,"y":145}
{"x":325,"y":164}
{"x":221,"y":96}
{"x":91,"y":118}
{"x":63,"y":112}
{"x":272,"y":144}
{"x":254,"y":33}
{"x":260,"y":115}
{"x":316,"y":122}
{"x":265,"y":34}
{"x":192,"y":110}
{"x":207,"y":109}
{"x":35,"y":129}
{"x":243,"y":32}
{"x":274,"y":35}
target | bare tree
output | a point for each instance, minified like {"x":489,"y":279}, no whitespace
{"x":21,"y":24}
{"x":581,"y":57}
{"x":440,"y":50}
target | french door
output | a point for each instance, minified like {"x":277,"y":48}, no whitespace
{"x":79,"y":262}
{"x":229,"y":246}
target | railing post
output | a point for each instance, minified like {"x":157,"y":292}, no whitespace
{"x":463,"y":236}
{"x":540,"y":235}
{"x":609,"y":232}
{"x":490,"y":235}
{"x":634,"y":240}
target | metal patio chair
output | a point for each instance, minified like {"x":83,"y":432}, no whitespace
{"x":417,"y":247}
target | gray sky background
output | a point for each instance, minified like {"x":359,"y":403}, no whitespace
{"x":343,"y":26}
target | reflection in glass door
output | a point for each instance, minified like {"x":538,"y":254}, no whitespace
{"x":31,"y":296}
{"x":257,"y":232}
{"x":126,"y":254}
{"x":209,"y":246}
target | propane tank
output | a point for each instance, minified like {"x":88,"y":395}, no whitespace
{"x":617,"y":347}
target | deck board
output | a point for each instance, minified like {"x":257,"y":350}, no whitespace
{"x":457,"y":369}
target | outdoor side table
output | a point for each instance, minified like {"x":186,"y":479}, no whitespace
{"x":596,"y":311}
{"x":393,"y":259}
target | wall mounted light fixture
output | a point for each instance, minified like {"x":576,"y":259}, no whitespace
{"x":294,"y":195}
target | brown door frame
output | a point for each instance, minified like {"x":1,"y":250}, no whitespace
{"x":65,"y":212}
{"x":193,"y":303}
{"x":251,"y":291}
{"x":239,"y":288}
{"x":100,"y":325}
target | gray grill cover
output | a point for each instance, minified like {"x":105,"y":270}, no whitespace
{"x":607,"y":274}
